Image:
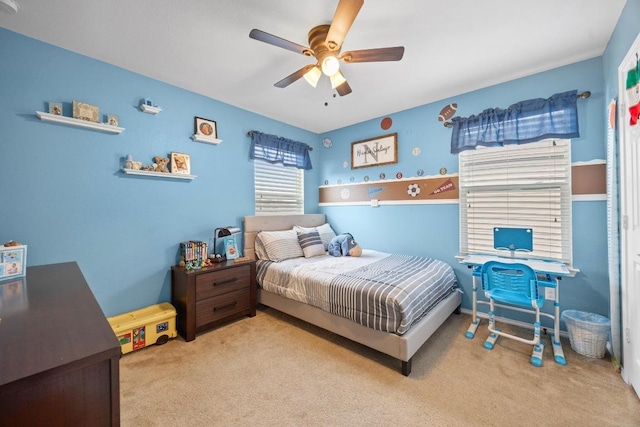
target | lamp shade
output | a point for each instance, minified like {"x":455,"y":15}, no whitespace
{"x":337,"y":79}
{"x":312,"y":76}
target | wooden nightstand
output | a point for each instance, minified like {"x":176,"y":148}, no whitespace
{"x":212,"y":296}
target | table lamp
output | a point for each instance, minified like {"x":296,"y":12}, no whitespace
{"x":221,"y":232}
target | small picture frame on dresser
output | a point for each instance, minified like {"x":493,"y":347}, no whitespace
{"x":231,"y":248}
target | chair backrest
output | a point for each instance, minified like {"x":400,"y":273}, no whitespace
{"x":518,"y":279}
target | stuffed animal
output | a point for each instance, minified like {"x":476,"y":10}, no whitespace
{"x":161,"y":164}
{"x":344,"y":244}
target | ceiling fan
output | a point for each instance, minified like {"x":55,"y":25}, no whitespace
{"x":325,"y":43}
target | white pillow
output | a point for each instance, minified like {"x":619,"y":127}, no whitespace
{"x":311,"y":244}
{"x":281,"y":245}
{"x":261,"y":252}
{"x":325,"y":231}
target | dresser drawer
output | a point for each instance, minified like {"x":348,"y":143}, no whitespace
{"x":220,"y":282}
{"x":216,"y":308}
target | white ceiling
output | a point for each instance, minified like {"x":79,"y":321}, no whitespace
{"x":204,"y":46}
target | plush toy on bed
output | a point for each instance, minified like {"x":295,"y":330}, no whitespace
{"x":344,"y":244}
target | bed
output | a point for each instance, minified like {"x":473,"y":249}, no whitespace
{"x":301,"y":295}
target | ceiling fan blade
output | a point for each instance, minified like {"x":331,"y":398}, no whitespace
{"x":346,"y":13}
{"x":374,"y":55}
{"x":278,"y":41}
{"x":293,"y":77}
{"x":343,"y":89}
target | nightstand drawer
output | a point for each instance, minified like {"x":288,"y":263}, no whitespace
{"x":220,"y":282}
{"x":219,"y":307}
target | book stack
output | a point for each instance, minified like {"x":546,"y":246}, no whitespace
{"x":193,"y":251}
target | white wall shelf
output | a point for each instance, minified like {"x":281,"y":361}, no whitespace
{"x":149,"y":109}
{"x":70,"y":121}
{"x":158,"y":174}
{"x":199,"y":138}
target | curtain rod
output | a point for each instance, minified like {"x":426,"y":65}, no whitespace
{"x":310,"y":148}
{"x":584,"y":95}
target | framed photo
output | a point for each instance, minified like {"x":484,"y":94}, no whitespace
{"x":13,"y":261}
{"x":55,"y":108}
{"x":205,"y":129}
{"x":112,"y":120}
{"x":88,"y":112}
{"x":231,"y":248}
{"x":180,"y":163}
{"x":382,"y":150}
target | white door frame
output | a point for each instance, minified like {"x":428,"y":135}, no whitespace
{"x":629,"y":233}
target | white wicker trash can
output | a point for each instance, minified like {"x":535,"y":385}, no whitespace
{"x":588,"y":332}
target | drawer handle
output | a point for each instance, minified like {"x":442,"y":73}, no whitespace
{"x":225,"y":307}
{"x":224,"y":282}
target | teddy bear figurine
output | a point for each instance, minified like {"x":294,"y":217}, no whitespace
{"x":161,"y":164}
{"x":344,"y":245}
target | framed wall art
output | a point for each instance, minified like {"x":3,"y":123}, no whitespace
{"x":205,"y":129}
{"x":180,"y":163}
{"x":378,"y":151}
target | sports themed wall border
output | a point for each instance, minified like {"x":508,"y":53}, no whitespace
{"x":588,"y":184}
{"x":427,"y":189}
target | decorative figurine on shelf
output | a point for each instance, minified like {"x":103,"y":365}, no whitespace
{"x":161,"y":164}
{"x":129,"y":163}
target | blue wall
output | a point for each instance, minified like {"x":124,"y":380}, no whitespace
{"x":432,"y":229}
{"x":63,"y":195}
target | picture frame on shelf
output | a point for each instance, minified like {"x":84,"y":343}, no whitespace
{"x":205,"y":129}
{"x":378,"y":151}
{"x":181,"y":163}
{"x":231,"y":248}
{"x":55,"y":108}
{"x":112,"y":120}
{"x":84,"y":111}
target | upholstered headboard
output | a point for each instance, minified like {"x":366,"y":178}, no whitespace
{"x":254,"y":224}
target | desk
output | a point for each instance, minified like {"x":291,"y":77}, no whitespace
{"x":553,"y":271}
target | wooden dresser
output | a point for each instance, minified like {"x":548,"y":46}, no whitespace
{"x":211,"y":296}
{"x":59,"y":358}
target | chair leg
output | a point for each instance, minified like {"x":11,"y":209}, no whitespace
{"x":493,"y":337}
{"x":538,"y":347}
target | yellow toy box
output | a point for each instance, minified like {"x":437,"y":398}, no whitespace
{"x":150,"y":325}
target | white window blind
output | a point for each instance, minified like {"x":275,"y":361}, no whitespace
{"x":517,"y":186}
{"x":279,"y":190}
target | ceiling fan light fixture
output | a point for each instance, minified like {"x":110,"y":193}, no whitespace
{"x":330,"y":65}
{"x":337,"y":79}
{"x":312,"y":76}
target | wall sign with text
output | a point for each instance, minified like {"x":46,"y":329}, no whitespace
{"x":378,"y":151}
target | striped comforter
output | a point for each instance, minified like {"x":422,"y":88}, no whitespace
{"x":381,"y":291}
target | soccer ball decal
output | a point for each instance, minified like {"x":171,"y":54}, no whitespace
{"x":413,"y":190}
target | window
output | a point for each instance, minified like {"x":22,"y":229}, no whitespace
{"x":279,"y":190}
{"x":520,"y":186}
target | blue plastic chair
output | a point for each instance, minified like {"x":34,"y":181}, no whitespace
{"x":513,"y":286}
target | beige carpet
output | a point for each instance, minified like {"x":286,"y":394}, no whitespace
{"x":273,"y":370}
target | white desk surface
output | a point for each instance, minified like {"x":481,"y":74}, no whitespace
{"x":538,"y":265}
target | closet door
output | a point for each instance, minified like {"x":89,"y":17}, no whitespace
{"x":630,"y":214}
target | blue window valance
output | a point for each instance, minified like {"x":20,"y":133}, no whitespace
{"x":275,"y":149}
{"x":523,"y":122}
